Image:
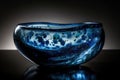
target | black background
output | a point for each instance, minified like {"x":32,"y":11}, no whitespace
{"x":60,"y":11}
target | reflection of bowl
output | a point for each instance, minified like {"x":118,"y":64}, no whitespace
{"x":72,"y":73}
{"x":59,"y":44}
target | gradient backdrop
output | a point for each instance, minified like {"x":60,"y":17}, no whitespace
{"x":61,"y":11}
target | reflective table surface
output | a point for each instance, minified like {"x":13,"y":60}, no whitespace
{"x":14,"y":66}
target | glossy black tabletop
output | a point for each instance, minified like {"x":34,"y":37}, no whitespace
{"x":105,"y":66}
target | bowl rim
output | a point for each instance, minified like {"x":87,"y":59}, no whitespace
{"x":59,"y":26}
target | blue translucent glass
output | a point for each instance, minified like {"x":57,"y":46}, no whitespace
{"x":53,"y":44}
{"x":73,"y":73}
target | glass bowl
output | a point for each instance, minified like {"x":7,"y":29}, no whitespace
{"x":54,"y":44}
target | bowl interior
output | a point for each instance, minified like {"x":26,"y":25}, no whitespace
{"x":44,"y":39}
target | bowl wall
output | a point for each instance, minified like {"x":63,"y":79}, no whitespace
{"x":64,"y":46}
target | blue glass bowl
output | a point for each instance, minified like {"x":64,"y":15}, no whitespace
{"x":53,"y":44}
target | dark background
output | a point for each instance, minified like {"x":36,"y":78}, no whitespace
{"x":106,"y":65}
{"x":60,"y":11}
